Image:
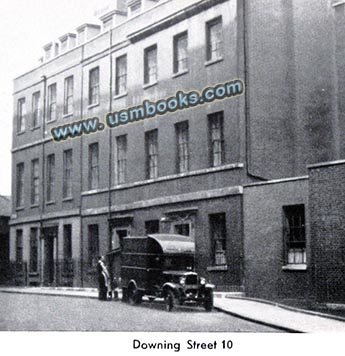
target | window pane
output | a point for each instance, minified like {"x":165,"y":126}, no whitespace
{"x":94,"y":86}
{"x":151,"y":138}
{"x":52,"y":102}
{"x":121,"y":75}
{"x":294,"y":234}
{"x":34,"y":181}
{"x":121,"y":159}
{"x":150,"y":65}
{"x":67,"y":174}
{"x":181,"y":53}
{"x":93,"y":239}
{"x":214,"y":39}
{"x":50,"y":177}
{"x":93,"y":166}
{"x":36,"y":109}
{"x":218,"y":238}
{"x":216,"y":139}
{"x":182,"y":139}
{"x":20,"y":185}
{"x":21,"y":115}
{"x":68,"y":99}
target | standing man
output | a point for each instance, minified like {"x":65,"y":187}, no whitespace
{"x":103,"y":279}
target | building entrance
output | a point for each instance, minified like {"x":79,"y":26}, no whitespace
{"x":50,"y":238}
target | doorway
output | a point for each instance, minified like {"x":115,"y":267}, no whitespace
{"x":50,"y":237}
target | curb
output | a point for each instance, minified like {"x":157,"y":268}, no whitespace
{"x":294,"y":309}
{"x":247,"y":318}
{"x":48,"y":294}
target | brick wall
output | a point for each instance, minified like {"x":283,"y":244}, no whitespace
{"x":263,"y":241}
{"x":327,"y":206}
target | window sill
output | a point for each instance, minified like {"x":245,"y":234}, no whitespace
{"x":66,"y":116}
{"x":118,"y":96}
{"x":20,"y":208}
{"x":149,"y":85}
{"x":67,"y":199}
{"x":32,"y":206}
{"x":179,"y":74}
{"x":217,"y":268}
{"x":50,"y":121}
{"x":213,"y":61}
{"x":50,"y":202}
{"x":20,"y":133}
{"x":91,"y":106}
{"x":295,"y":267}
{"x":35,"y":128}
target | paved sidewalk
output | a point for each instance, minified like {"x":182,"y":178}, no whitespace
{"x":286,"y":318}
{"x":267,"y":313}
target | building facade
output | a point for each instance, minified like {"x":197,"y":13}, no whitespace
{"x":5,"y":213}
{"x":183,"y":172}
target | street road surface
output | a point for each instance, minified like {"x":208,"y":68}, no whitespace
{"x":48,"y":313}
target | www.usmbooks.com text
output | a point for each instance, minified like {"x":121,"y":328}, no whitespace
{"x":148,"y":109}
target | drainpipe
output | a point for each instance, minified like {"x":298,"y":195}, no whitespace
{"x":42,"y":204}
{"x":246,"y":97}
{"x":109,"y":136}
{"x":81,"y":173}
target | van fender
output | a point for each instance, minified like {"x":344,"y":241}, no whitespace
{"x":173,"y":286}
{"x":132,"y":282}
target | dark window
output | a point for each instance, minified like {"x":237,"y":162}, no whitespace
{"x":36,"y":109}
{"x":152,"y":227}
{"x":117,"y":234}
{"x":182,"y":149}
{"x":68,"y":98}
{"x":150,"y":65}
{"x":67,"y":174}
{"x":50,"y":177}
{"x":67,"y":248}
{"x":214,"y":38}
{"x":294,"y":234}
{"x":19,"y":246}
{"x":52,"y":102}
{"x":20,"y":185}
{"x":135,"y":8}
{"x":218,"y":238}
{"x":93,"y":166}
{"x":94,"y":86}
{"x":181,"y":52}
{"x":33,"y":266}
{"x":215,"y":126}
{"x":121,"y":75}
{"x":35,"y":181}
{"x":182,"y":229}
{"x":93,"y":239}
{"x":121,"y":159}
{"x":21,"y":115}
{"x":151,"y":140}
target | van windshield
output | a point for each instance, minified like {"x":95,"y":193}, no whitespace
{"x":179,"y":263}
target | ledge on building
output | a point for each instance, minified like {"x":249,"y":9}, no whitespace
{"x":149,"y":85}
{"x":213,"y":61}
{"x":221,"y":268}
{"x":91,"y":106}
{"x":66,"y":116}
{"x":295,"y":267}
{"x":179,"y":74}
{"x":118,"y":96}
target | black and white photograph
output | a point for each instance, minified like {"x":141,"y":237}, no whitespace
{"x":173,"y":168}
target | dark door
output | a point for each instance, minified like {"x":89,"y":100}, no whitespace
{"x":50,"y":236}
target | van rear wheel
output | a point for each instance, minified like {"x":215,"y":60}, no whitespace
{"x":134,"y":296}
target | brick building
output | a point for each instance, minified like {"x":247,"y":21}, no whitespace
{"x":182,"y":172}
{"x":5,"y":213}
